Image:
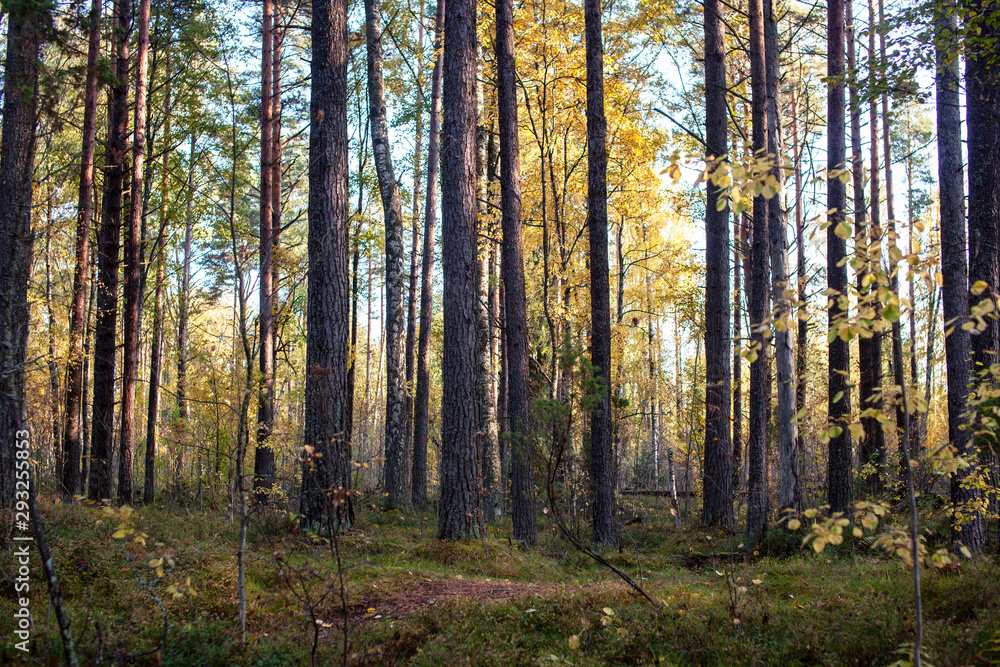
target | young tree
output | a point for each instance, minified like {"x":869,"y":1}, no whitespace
{"x":515,"y":301}
{"x":71,"y":447}
{"x":422,"y":396}
{"x":839,"y":410}
{"x":601,"y":455}
{"x":328,"y":461}
{"x":396,"y":472}
{"x":955,"y":290}
{"x":102,"y":435}
{"x":717,"y":477}
{"x":459,"y":514}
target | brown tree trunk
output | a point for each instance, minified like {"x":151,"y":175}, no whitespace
{"x":183,"y":315}
{"x":263,"y":460}
{"x":327,"y":339}
{"x":869,"y":349}
{"x":133,"y":265}
{"x":601,"y":455}
{"x":955,"y":291}
{"x":512,"y":267}
{"x":760,"y":388}
{"x":71,"y":448}
{"x":396,"y":473}
{"x":839,"y":468}
{"x":739,"y":248}
{"x":800,"y":273}
{"x":109,"y":243}
{"x":717,"y":476}
{"x":459,"y":516}
{"x":422,"y":396}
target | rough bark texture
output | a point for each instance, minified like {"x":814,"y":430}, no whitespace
{"x":263,"y":459}
{"x":601,"y":455}
{"x":133,"y":266}
{"x":955,"y":291}
{"x":396,"y":473}
{"x":327,"y":338}
{"x":869,"y":349}
{"x":17,"y":152}
{"x":421,"y":398}
{"x":983,"y":113}
{"x":789,"y":496}
{"x":459,"y":514}
{"x":512,"y":268}
{"x":71,"y":446}
{"x":717,"y":476}
{"x":760,"y":389}
{"x":109,"y":240}
{"x":839,"y":407}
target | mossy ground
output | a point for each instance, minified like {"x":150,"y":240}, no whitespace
{"x":415,"y":600}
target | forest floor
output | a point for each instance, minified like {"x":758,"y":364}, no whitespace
{"x":411,"y":599}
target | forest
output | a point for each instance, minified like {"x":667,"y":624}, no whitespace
{"x":652,"y":332}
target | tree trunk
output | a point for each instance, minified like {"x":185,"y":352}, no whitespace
{"x":789,"y":496}
{"x":955,"y":291}
{"x":156,"y":354}
{"x":717,"y":477}
{"x":839,"y":397}
{"x":411,"y":300}
{"x":327,"y":338}
{"x":802,"y":316}
{"x":71,"y":448}
{"x":133,"y":266}
{"x":739,"y":248}
{"x":422,"y":395}
{"x":512,"y":267}
{"x":760,"y":389}
{"x":602,"y":461}
{"x":109,"y":243}
{"x":459,"y":516}
{"x":396,"y":473}
{"x":184,"y":310}
{"x":263,"y":460}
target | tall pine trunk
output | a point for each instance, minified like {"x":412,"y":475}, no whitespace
{"x":109,"y":246}
{"x":717,"y":476}
{"x":839,"y":462}
{"x":71,"y":446}
{"x":327,"y":338}
{"x":760,"y":389}
{"x":133,"y":266}
{"x":512,"y":271}
{"x":955,"y":290}
{"x":459,"y":516}
{"x":422,"y":395}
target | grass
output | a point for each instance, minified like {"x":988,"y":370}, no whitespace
{"x":848,"y":607}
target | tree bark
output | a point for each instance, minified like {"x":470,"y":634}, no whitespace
{"x":955,"y":290}
{"x":183,"y":316}
{"x":396,"y":473}
{"x":109,"y":243}
{"x":263,"y":460}
{"x":601,"y":455}
{"x":839,"y":397}
{"x":71,"y":448}
{"x":789,"y":496}
{"x":17,"y":152}
{"x":760,"y":389}
{"x":133,"y":266}
{"x":459,"y":514}
{"x":327,"y":338}
{"x":717,"y":476}
{"x":422,"y":395}
{"x":512,"y":267}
